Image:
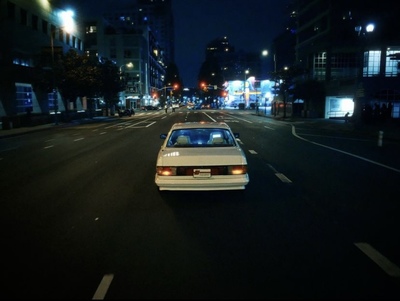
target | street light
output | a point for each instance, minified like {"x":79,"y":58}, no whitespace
{"x":68,"y":26}
{"x":123,"y":66}
{"x":244,"y":87}
{"x":359,"y":90}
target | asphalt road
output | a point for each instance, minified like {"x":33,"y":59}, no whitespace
{"x":82,"y":218}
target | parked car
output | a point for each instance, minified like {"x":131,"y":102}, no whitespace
{"x":149,"y":108}
{"x":201,"y":156}
{"x":126,"y":112}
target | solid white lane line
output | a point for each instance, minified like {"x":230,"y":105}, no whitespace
{"x":385,"y":264}
{"x":343,"y":152}
{"x":103,"y":287}
{"x":209,"y":117}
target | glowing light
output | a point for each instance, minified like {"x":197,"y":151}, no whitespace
{"x":370,"y":28}
{"x":67,"y":21}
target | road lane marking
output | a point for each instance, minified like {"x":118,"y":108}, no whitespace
{"x":267,"y":127}
{"x":279,"y":175}
{"x":78,"y":139}
{"x":103,"y":287}
{"x":210,"y":117}
{"x":385,"y":264}
{"x":282,"y":177}
{"x":253,"y":152}
{"x":343,"y":152}
{"x":49,"y":146}
{"x":240,"y":119}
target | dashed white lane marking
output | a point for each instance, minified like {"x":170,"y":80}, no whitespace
{"x":102,"y":133}
{"x":253,"y":152}
{"x":78,"y":139}
{"x":267,"y":127}
{"x":282,"y":177}
{"x":385,"y":264}
{"x":49,"y":146}
{"x":343,"y":152}
{"x":103,"y":287}
{"x":279,"y":175}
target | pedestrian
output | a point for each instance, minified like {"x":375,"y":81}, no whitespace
{"x":346,"y":117}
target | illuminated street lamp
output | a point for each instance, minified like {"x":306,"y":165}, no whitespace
{"x":121,"y":70}
{"x":246,"y":72}
{"x":68,"y":25}
{"x":358,"y":93}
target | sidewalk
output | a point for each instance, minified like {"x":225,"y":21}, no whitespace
{"x":390,"y":128}
{"x":48,"y":126}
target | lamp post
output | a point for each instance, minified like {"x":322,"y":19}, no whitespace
{"x":123,"y":66}
{"x":359,"y":90}
{"x":68,"y":25}
{"x":55,"y":90}
{"x":244,"y":87}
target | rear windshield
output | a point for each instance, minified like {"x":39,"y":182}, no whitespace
{"x":201,"y":138}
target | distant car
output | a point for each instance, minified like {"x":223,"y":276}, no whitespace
{"x":201,"y":156}
{"x":149,"y":108}
{"x":234,"y":104}
{"x":126,"y":112}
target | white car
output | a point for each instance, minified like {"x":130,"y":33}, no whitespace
{"x":201,"y":156}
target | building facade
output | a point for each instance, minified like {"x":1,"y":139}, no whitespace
{"x":353,"y":48}
{"x":32,"y":32}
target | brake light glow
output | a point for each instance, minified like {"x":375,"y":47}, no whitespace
{"x":166,"y":171}
{"x":237,"y":169}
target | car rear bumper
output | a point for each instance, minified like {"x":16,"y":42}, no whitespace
{"x":189,"y":183}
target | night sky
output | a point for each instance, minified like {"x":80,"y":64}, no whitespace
{"x":250,"y":25}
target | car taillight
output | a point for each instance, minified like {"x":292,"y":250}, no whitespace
{"x":166,"y":171}
{"x":237,"y":169}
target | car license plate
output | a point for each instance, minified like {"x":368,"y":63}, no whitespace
{"x":201,"y":173}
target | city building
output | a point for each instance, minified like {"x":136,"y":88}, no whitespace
{"x":139,"y":38}
{"x":352,"y":47}
{"x":32,"y":34}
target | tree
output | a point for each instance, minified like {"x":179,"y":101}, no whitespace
{"x":284,"y":80}
{"x":110,"y":83}
{"x":80,"y":75}
{"x":77,"y":76}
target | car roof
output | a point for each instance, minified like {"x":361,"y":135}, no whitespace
{"x":203,"y":124}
